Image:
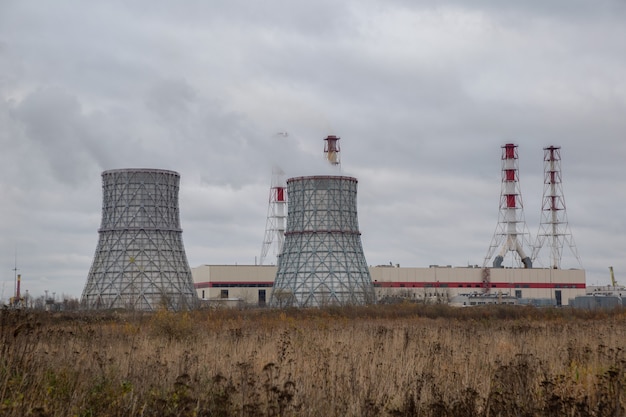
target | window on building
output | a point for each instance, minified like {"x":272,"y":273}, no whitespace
{"x":557,"y":295}
{"x":518,"y":293}
{"x":261,"y":298}
{"x":223,"y":293}
{"x":202,"y":293}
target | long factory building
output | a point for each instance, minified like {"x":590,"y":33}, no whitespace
{"x":252,"y":285}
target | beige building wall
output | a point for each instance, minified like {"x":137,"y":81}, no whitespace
{"x":247,"y":283}
{"x":253,"y":284}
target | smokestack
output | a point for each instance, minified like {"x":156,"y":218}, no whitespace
{"x":18,"y":295}
{"x":331,"y":150}
{"x":511,"y":233}
{"x":554,"y":227}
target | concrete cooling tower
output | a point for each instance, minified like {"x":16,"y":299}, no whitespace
{"x":140,"y":260}
{"x":322,"y":261}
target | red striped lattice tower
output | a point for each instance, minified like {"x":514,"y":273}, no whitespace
{"x":511,"y":235}
{"x":554,"y":231}
{"x":276,"y":214}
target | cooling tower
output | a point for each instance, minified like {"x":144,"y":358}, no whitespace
{"x":322,"y":261}
{"x":140,"y":260}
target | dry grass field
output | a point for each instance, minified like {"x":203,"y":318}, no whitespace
{"x":402,"y":360}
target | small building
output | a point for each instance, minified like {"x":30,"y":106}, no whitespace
{"x":252,"y":284}
{"x":606,"y":297}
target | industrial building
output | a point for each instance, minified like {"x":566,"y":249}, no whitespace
{"x":252,"y":284}
{"x":603,"y":297}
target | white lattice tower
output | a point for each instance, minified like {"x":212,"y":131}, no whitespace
{"x":511,"y":234}
{"x":554,"y":231}
{"x":276,"y":216}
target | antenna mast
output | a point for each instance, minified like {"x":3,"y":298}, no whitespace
{"x":554,"y":227}
{"x":16,"y":287}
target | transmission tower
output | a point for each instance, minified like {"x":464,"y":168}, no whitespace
{"x":554,"y":230}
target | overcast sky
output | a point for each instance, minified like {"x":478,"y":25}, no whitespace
{"x":423,"y":95}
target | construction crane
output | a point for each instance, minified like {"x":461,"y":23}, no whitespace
{"x":613,"y":282}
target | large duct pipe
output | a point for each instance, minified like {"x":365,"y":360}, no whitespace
{"x":512,"y":245}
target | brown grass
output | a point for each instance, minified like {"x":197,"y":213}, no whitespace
{"x":402,"y":360}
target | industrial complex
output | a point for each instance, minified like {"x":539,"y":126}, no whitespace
{"x":312,"y":225}
{"x":320,"y":256}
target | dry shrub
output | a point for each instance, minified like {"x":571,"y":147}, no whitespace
{"x":171,"y":326}
{"x":397,"y":360}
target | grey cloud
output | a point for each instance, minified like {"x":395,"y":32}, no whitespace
{"x":52,"y":121}
{"x":422,"y":94}
{"x":170,"y":99}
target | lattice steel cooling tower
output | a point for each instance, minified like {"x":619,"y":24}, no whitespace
{"x":322,"y":261}
{"x":140,"y":260}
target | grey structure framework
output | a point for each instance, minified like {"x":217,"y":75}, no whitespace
{"x":140,"y":260}
{"x":322,"y":261}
